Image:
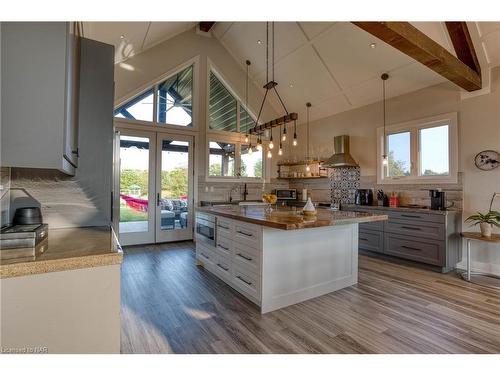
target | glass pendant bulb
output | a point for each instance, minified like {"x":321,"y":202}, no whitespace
{"x":250,"y":149}
{"x":246,"y":138}
{"x":385,"y":161}
{"x":308,"y":168}
{"x":271,"y":145}
{"x":280,"y":151}
{"x":269,"y":154}
{"x":283,"y":137}
{"x":295,"y":139}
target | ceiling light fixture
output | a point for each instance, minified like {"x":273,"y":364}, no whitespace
{"x":295,"y":133}
{"x":308,"y":107}
{"x":385,"y":160}
{"x":122,"y":36}
{"x":373,"y":45}
{"x":271,"y":85}
{"x":290,"y":85}
{"x":259,"y":41}
{"x":247,"y":62}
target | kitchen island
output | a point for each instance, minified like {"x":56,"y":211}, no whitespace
{"x":280,"y":258}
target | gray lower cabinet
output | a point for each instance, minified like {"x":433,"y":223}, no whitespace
{"x":432,"y":238}
{"x":40,"y":95}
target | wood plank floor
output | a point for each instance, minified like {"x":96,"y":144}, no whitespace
{"x":171,"y":306}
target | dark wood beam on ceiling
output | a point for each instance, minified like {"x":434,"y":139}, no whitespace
{"x":206,"y":26}
{"x":462,"y":43}
{"x":414,"y":43}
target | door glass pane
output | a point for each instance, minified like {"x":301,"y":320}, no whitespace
{"x":174,"y":185}
{"x":134,"y":175}
{"x":221,"y":159}
{"x":138,"y":108}
{"x":175,"y":99}
{"x":398,"y":149}
{"x":251,"y":162}
{"x":434,"y":152}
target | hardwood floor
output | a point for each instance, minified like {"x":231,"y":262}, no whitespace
{"x":171,"y":306}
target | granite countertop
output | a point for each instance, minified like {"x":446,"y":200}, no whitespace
{"x":290,"y":218}
{"x":68,"y":249}
{"x":403,"y":209}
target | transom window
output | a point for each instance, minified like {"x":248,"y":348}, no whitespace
{"x":420,"y":151}
{"x":173,"y":98}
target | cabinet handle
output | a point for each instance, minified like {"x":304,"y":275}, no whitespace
{"x":410,"y":228}
{"x":221,"y":266}
{"x":76,"y":152}
{"x":223,"y":247}
{"x":412,"y":216}
{"x":223,"y":227}
{"x":363,"y":239}
{"x":411,"y":248}
{"x":242,"y":279}
{"x":205,"y":255}
{"x":244,"y":257}
{"x":245,"y":234}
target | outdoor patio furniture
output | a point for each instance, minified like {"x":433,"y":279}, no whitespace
{"x":183,"y":219}
{"x":167,"y":219}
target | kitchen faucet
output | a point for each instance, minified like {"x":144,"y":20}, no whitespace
{"x":245,"y":192}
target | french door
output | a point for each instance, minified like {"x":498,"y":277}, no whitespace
{"x":155,"y":183}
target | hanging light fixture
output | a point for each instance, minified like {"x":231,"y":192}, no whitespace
{"x":269,"y":154}
{"x":385,"y":160}
{"x":246,"y":102}
{"x":271,"y":85}
{"x":308,"y":168}
{"x":295,"y":133}
{"x":283,"y":135}
{"x":280,"y":150}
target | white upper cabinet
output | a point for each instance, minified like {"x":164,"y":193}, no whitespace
{"x":40,"y":95}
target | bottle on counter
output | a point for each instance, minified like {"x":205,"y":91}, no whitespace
{"x":393,"y":200}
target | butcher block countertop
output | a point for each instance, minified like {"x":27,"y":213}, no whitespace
{"x":67,"y":249}
{"x":290,"y":218}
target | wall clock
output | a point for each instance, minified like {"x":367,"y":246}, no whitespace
{"x":487,"y":160}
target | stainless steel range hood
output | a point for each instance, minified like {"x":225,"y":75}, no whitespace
{"x":342,"y":157}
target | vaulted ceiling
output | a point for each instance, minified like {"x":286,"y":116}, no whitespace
{"x":334,"y":65}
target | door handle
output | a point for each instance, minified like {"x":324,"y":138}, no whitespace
{"x":157,"y":199}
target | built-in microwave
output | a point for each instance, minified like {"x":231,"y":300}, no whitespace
{"x":205,"y":228}
{"x":286,"y":194}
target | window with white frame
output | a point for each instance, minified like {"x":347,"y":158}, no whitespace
{"x":420,"y":151}
{"x":228,"y":157}
{"x":173,"y":98}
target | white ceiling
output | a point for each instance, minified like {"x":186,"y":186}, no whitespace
{"x":329,"y":64}
{"x":131,"y":38}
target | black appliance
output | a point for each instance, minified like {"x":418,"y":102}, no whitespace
{"x":363,"y":197}
{"x":28,"y":216}
{"x":438,"y":201}
{"x":286,"y":194}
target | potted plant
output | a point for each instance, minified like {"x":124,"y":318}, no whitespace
{"x":485,"y":221}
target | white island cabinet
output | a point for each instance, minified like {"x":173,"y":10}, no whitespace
{"x":275,"y":267}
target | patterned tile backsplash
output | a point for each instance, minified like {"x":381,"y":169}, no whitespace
{"x":343,"y":184}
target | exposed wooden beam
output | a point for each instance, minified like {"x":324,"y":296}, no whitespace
{"x":414,"y":43}
{"x":462,"y":42}
{"x":206,"y":26}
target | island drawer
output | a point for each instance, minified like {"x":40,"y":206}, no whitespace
{"x":223,"y":267}
{"x":247,"y":258}
{"x":224,"y":227}
{"x":205,"y":254}
{"x":371,"y":240}
{"x":224,"y":246}
{"x":413,"y":248}
{"x":247,"y":234}
{"x":429,"y":217}
{"x":421,"y":229}
{"x":247,"y":283}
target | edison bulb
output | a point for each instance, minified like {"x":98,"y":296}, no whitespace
{"x":283,"y":137}
{"x":385,"y":161}
{"x":308,"y":168}
{"x":295,"y":142}
{"x":269,"y":154}
{"x":246,"y":138}
{"x":250,"y":149}
{"x":271,"y":145}
{"x":280,"y":151}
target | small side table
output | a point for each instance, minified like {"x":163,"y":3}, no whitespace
{"x":478,"y":277}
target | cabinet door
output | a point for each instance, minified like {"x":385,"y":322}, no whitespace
{"x":72,"y":95}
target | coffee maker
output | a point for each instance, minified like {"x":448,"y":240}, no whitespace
{"x":438,"y":201}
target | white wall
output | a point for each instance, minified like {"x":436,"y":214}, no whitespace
{"x":479,"y":129}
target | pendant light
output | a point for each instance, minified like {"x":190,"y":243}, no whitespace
{"x":308,"y":168}
{"x":246,"y":102}
{"x":283,"y":135}
{"x":271,"y":144}
{"x":280,"y":150}
{"x":295,"y":133}
{"x":385,"y":160}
